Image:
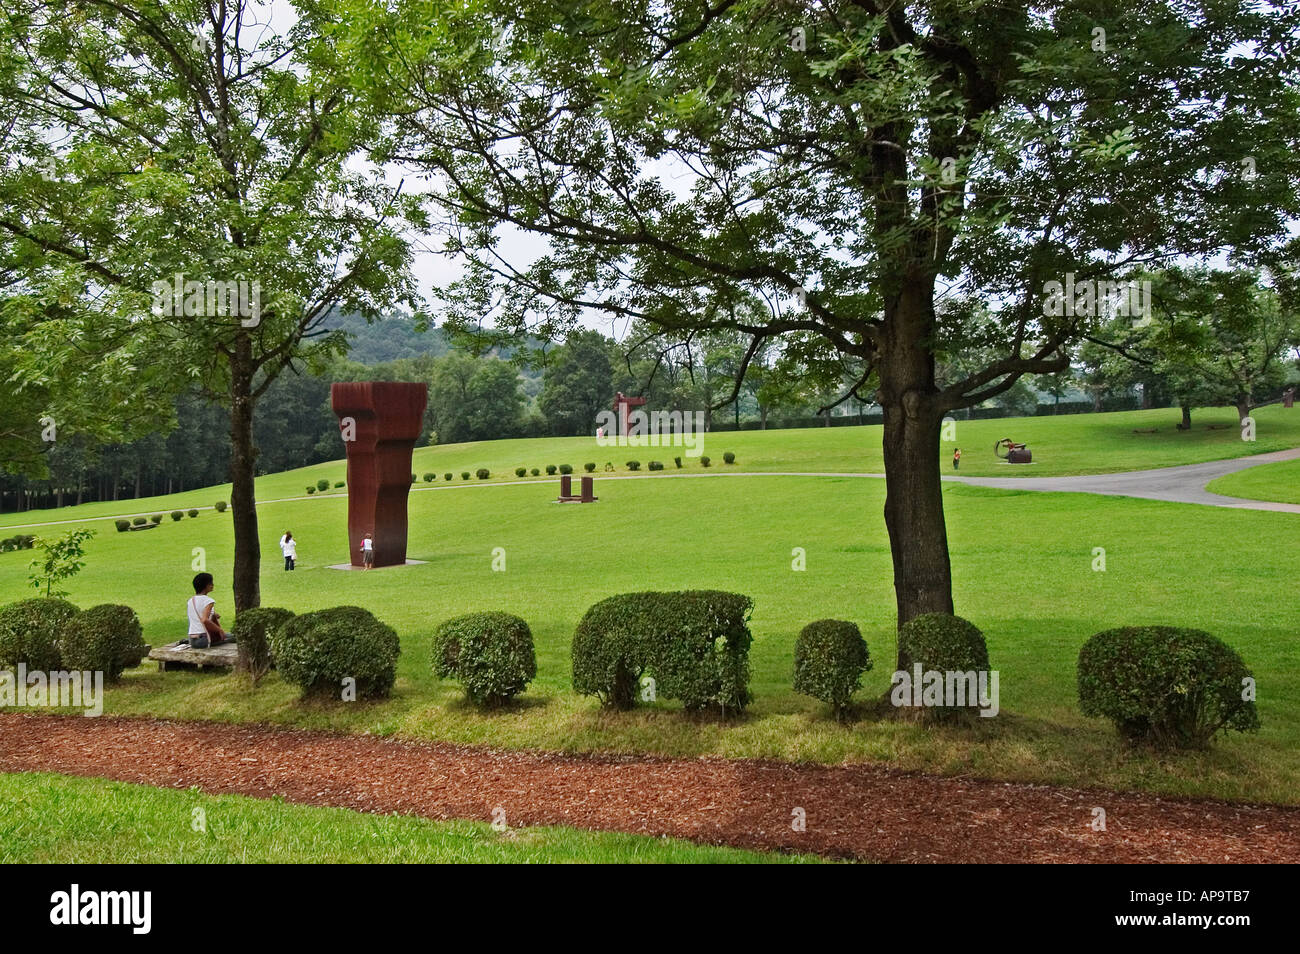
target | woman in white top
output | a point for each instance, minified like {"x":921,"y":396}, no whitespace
{"x":289,"y":547}
{"x":205,"y":623}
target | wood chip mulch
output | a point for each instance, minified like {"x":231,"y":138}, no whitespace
{"x":856,"y":811}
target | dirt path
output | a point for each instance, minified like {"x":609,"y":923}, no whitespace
{"x":856,"y":811}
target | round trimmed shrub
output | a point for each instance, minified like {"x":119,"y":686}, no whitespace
{"x":193,"y":513}
{"x":589,"y":468}
{"x":534,"y":472}
{"x":705,"y":461}
{"x":156,"y":519}
{"x":464,"y":475}
{"x":138,"y":521}
{"x":344,"y":483}
{"x":322,"y":484}
{"x":491,"y":654}
{"x":656,"y":465}
{"x":311,"y":490}
{"x":252,"y":629}
{"x":678,"y":462}
{"x":550,"y":470}
{"x":521,"y":471}
{"x":105,"y":638}
{"x":942,"y":643}
{"x":177,"y":515}
{"x":634,"y":465}
{"x":482,"y":473}
{"x":30,"y":630}
{"x":1170,"y":687}
{"x":317,"y":651}
{"x":566,"y":468}
{"x":830,"y":657}
{"x":221,"y":506}
{"x":728,"y":458}
{"x":446,"y":476}
{"x":122,"y":525}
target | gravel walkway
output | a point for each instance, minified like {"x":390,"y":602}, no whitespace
{"x":853,"y":811}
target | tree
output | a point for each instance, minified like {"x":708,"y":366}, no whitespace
{"x":578,"y":384}
{"x":184,"y":184}
{"x":849,"y":160}
{"x":62,"y":559}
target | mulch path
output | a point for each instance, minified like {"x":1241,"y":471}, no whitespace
{"x":852,"y":811}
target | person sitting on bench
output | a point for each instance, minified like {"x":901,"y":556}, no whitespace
{"x":205,"y":621}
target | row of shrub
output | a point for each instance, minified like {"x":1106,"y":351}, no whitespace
{"x":50,"y":634}
{"x":1169,"y":687}
{"x":19,"y":541}
{"x":125,"y":525}
{"x":323,"y":485}
{"x":552,"y":469}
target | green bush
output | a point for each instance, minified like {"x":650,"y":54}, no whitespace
{"x":413,"y":477}
{"x":322,"y":484}
{"x":156,"y":519}
{"x":566,"y":468}
{"x":193,"y":513}
{"x":678,"y":462}
{"x":30,"y":632}
{"x":122,"y":525}
{"x":221,"y":506}
{"x":942,"y":643}
{"x":728,"y":458}
{"x":589,"y":468}
{"x":550,"y":470}
{"x":705,"y":461}
{"x":830,"y":657}
{"x":177,"y":515}
{"x":138,"y":521}
{"x":317,"y":651}
{"x":490,"y":653}
{"x":464,"y":475}
{"x":311,"y":490}
{"x":482,"y":473}
{"x":534,"y":472}
{"x":694,"y":644}
{"x":521,"y":471}
{"x":656,"y":465}
{"x":252,"y":629}
{"x":634,"y":465}
{"x":105,"y":638}
{"x":446,"y":476}
{"x":1172,"y":688}
{"x":344,"y":483}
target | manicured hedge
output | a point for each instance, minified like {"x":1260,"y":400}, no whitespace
{"x":253,"y":629}
{"x":491,"y":654}
{"x":105,"y":638}
{"x":30,"y":631}
{"x":940,"y":642}
{"x":317,"y":651}
{"x":694,"y":644}
{"x":1172,"y":688}
{"x":830,"y":657}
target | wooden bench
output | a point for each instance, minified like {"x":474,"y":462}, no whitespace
{"x":217,"y":657}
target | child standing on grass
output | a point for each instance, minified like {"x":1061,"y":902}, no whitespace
{"x":368,"y":552}
{"x":956,"y":458}
{"x":289,"y":547}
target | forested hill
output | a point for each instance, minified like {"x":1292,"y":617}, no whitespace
{"x":387,"y":340}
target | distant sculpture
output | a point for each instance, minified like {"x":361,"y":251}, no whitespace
{"x":379,"y":422}
{"x":621,"y":403}
{"x":1015,"y":453}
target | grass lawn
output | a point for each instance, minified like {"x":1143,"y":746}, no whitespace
{"x":53,"y":819}
{"x":1023,"y":572}
{"x":1068,"y":444}
{"x":1278,"y":482}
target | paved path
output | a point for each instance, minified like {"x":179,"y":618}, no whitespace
{"x":1185,"y":484}
{"x":860,"y":811}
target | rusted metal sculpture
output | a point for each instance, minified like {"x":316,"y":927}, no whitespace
{"x":567,"y":495}
{"x":1014,"y":453}
{"x":379,"y":422}
{"x":621,"y":403}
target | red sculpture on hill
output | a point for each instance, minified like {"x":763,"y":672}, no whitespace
{"x":379,"y":422}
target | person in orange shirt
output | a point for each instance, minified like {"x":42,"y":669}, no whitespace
{"x":956,"y":458}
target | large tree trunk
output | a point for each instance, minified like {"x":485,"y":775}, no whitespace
{"x":1245,"y":404}
{"x":918,"y":536}
{"x":243,"y":504}
{"x":1186,"y":423}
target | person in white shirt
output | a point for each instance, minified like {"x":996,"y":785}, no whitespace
{"x":367,"y":552}
{"x":205,"y":622}
{"x":289,"y":547}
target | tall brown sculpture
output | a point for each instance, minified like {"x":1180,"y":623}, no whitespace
{"x":380,"y":422}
